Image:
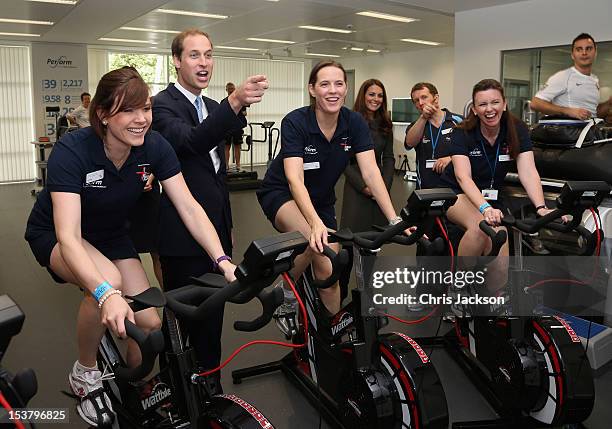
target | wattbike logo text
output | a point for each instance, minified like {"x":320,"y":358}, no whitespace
{"x":343,"y":321}
{"x":62,"y":62}
{"x":160,"y":392}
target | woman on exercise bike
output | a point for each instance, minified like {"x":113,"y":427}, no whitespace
{"x":77,"y":228}
{"x":482,"y":147}
{"x":297,"y":193}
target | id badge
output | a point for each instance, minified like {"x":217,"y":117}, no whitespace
{"x":504,"y":158}
{"x":490,"y":194}
{"x":312,"y":165}
{"x":429,"y":163}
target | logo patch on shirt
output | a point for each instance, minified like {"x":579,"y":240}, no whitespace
{"x":475,"y":152}
{"x":94,"y":179}
{"x":143,"y":172}
{"x":426,"y":140}
{"x":310,"y":150}
{"x":345,"y":144}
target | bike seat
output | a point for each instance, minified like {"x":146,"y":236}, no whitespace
{"x":210,"y":280}
{"x":152,"y":297}
{"x":344,"y":234}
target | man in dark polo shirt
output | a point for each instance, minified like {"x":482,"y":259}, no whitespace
{"x":430,"y":134}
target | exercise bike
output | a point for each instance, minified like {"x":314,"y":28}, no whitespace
{"x":15,"y":390}
{"x":532,"y":369}
{"x":180,"y":396}
{"x":244,"y":180}
{"x":358,"y":377}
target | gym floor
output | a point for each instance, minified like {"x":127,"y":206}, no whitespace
{"x":47,"y":342}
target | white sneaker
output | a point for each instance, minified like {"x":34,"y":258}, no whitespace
{"x":95,"y":406}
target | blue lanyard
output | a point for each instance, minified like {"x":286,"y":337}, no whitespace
{"x":434,"y":143}
{"x":489,"y":161}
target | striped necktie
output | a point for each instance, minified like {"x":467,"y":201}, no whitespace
{"x":198,"y":105}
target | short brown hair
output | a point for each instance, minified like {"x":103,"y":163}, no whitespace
{"x":422,"y":85}
{"x":583,"y":36}
{"x":312,"y":79}
{"x":117,"y":90}
{"x":177,"y":43}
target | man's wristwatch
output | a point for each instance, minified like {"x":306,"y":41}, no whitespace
{"x":395,"y":220}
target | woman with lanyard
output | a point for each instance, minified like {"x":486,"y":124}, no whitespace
{"x":482,"y":146}
{"x":78,"y":226}
{"x":297,"y":193}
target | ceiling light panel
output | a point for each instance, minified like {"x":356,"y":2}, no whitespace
{"x":19,"y":34}
{"x":422,"y":42}
{"x":25,"y":21}
{"x":190,"y":13}
{"x":149,"y":30}
{"x":236,"y":48}
{"x":322,"y":55}
{"x":330,"y":29}
{"x":380,"y":15}
{"x":113,"y":39}
{"x":67,"y":2}
{"x":258,"y":39}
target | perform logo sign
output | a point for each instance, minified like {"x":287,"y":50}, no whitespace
{"x":62,"y":62}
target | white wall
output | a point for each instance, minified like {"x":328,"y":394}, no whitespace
{"x":399,"y":71}
{"x":481,"y":34}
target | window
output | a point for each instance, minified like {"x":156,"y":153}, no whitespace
{"x":154,"y":68}
{"x":16,"y":123}
{"x":285,"y":94}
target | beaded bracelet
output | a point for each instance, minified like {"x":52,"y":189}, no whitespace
{"x":105,"y":297}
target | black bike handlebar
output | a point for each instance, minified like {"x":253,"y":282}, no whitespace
{"x":498,"y":238}
{"x":373,"y":240}
{"x":269,"y":300}
{"x":210,"y":298}
{"x":150,"y":346}
{"x":339,"y":261}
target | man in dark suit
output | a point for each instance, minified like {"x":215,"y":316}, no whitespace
{"x":196,"y":126}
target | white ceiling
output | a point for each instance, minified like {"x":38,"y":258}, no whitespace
{"x":89,"y":20}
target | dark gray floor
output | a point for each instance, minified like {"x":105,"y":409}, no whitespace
{"x":47,"y":342}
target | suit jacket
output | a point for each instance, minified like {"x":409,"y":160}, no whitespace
{"x":177,"y":120}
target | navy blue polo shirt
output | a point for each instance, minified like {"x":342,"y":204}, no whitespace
{"x":482,"y":155}
{"x":78,"y":164}
{"x":440,"y":138}
{"x":324,"y":161}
